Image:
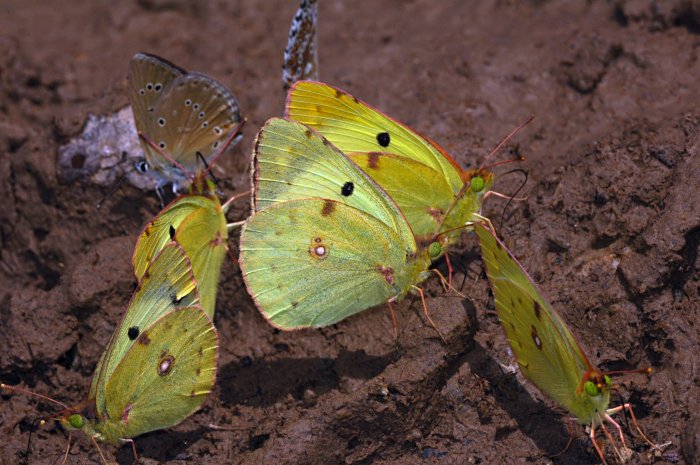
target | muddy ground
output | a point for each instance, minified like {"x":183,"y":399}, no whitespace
{"x":610,"y":227}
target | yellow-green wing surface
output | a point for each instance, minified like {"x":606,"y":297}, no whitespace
{"x":164,"y":377}
{"x":429,"y":187}
{"x":196,"y":221}
{"x":546,"y":351}
{"x":167,"y":283}
{"x":314,"y":262}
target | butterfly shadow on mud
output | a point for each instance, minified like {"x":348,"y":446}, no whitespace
{"x":162,"y":445}
{"x":260,"y":383}
{"x":546,"y":427}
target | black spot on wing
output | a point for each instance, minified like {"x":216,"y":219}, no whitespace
{"x":347,"y":189}
{"x":383,"y":139}
{"x":133,"y":333}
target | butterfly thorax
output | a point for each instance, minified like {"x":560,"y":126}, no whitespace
{"x":201,"y":185}
{"x":465,"y":207}
{"x":415,"y":271}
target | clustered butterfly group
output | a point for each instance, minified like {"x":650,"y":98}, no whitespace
{"x":350,"y":209}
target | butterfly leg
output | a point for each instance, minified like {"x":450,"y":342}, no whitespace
{"x":65,"y":456}
{"x":449,"y":269}
{"x":233,"y":198}
{"x":628,"y":407}
{"x":445,"y":285}
{"x":393,"y":320}
{"x":571,"y":438}
{"x":611,"y":439}
{"x":427,"y":314}
{"x":483,"y":219}
{"x":597,"y":447}
{"x":93,"y":438}
{"x":133,"y":448}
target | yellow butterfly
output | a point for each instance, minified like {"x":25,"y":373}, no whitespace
{"x":436,"y":196}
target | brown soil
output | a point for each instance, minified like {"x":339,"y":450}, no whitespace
{"x":610,"y":228}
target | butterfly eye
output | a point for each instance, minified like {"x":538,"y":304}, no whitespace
{"x":477,"y":184}
{"x":607,"y":380}
{"x":434,"y":249}
{"x":76,"y":421}
{"x":591,"y":389}
{"x":141,"y":166}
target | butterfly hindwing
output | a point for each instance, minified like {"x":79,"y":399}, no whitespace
{"x":149,"y":76}
{"x":196,"y":114}
{"x":165,"y":376}
{"x":167,"y":283}
{"x":314,"y":262}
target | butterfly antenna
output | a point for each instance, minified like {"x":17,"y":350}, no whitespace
{"x":467,"y":185}
{"x":644,"y":371}
{"x":506,"y":139}
{"x":118,"y":183}
{"x":165,"y":155}
{"x":207,"y":169}
{"x":30,"y":393}
{"x":510,"y":199}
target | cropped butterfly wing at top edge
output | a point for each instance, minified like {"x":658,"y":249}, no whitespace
{"x":313,"y":262}
{"x":546,"y":351}
{"x":292,"y":161}
{"x":355,"y":126}
{"x":301,"y":53}
{"x":165,"y":376}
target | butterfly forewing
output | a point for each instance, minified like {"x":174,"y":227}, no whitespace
{"x":188,"y":116}
{"x":355,"y":126}
{"x":292,"y":161}
{"x":149,"y":76}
